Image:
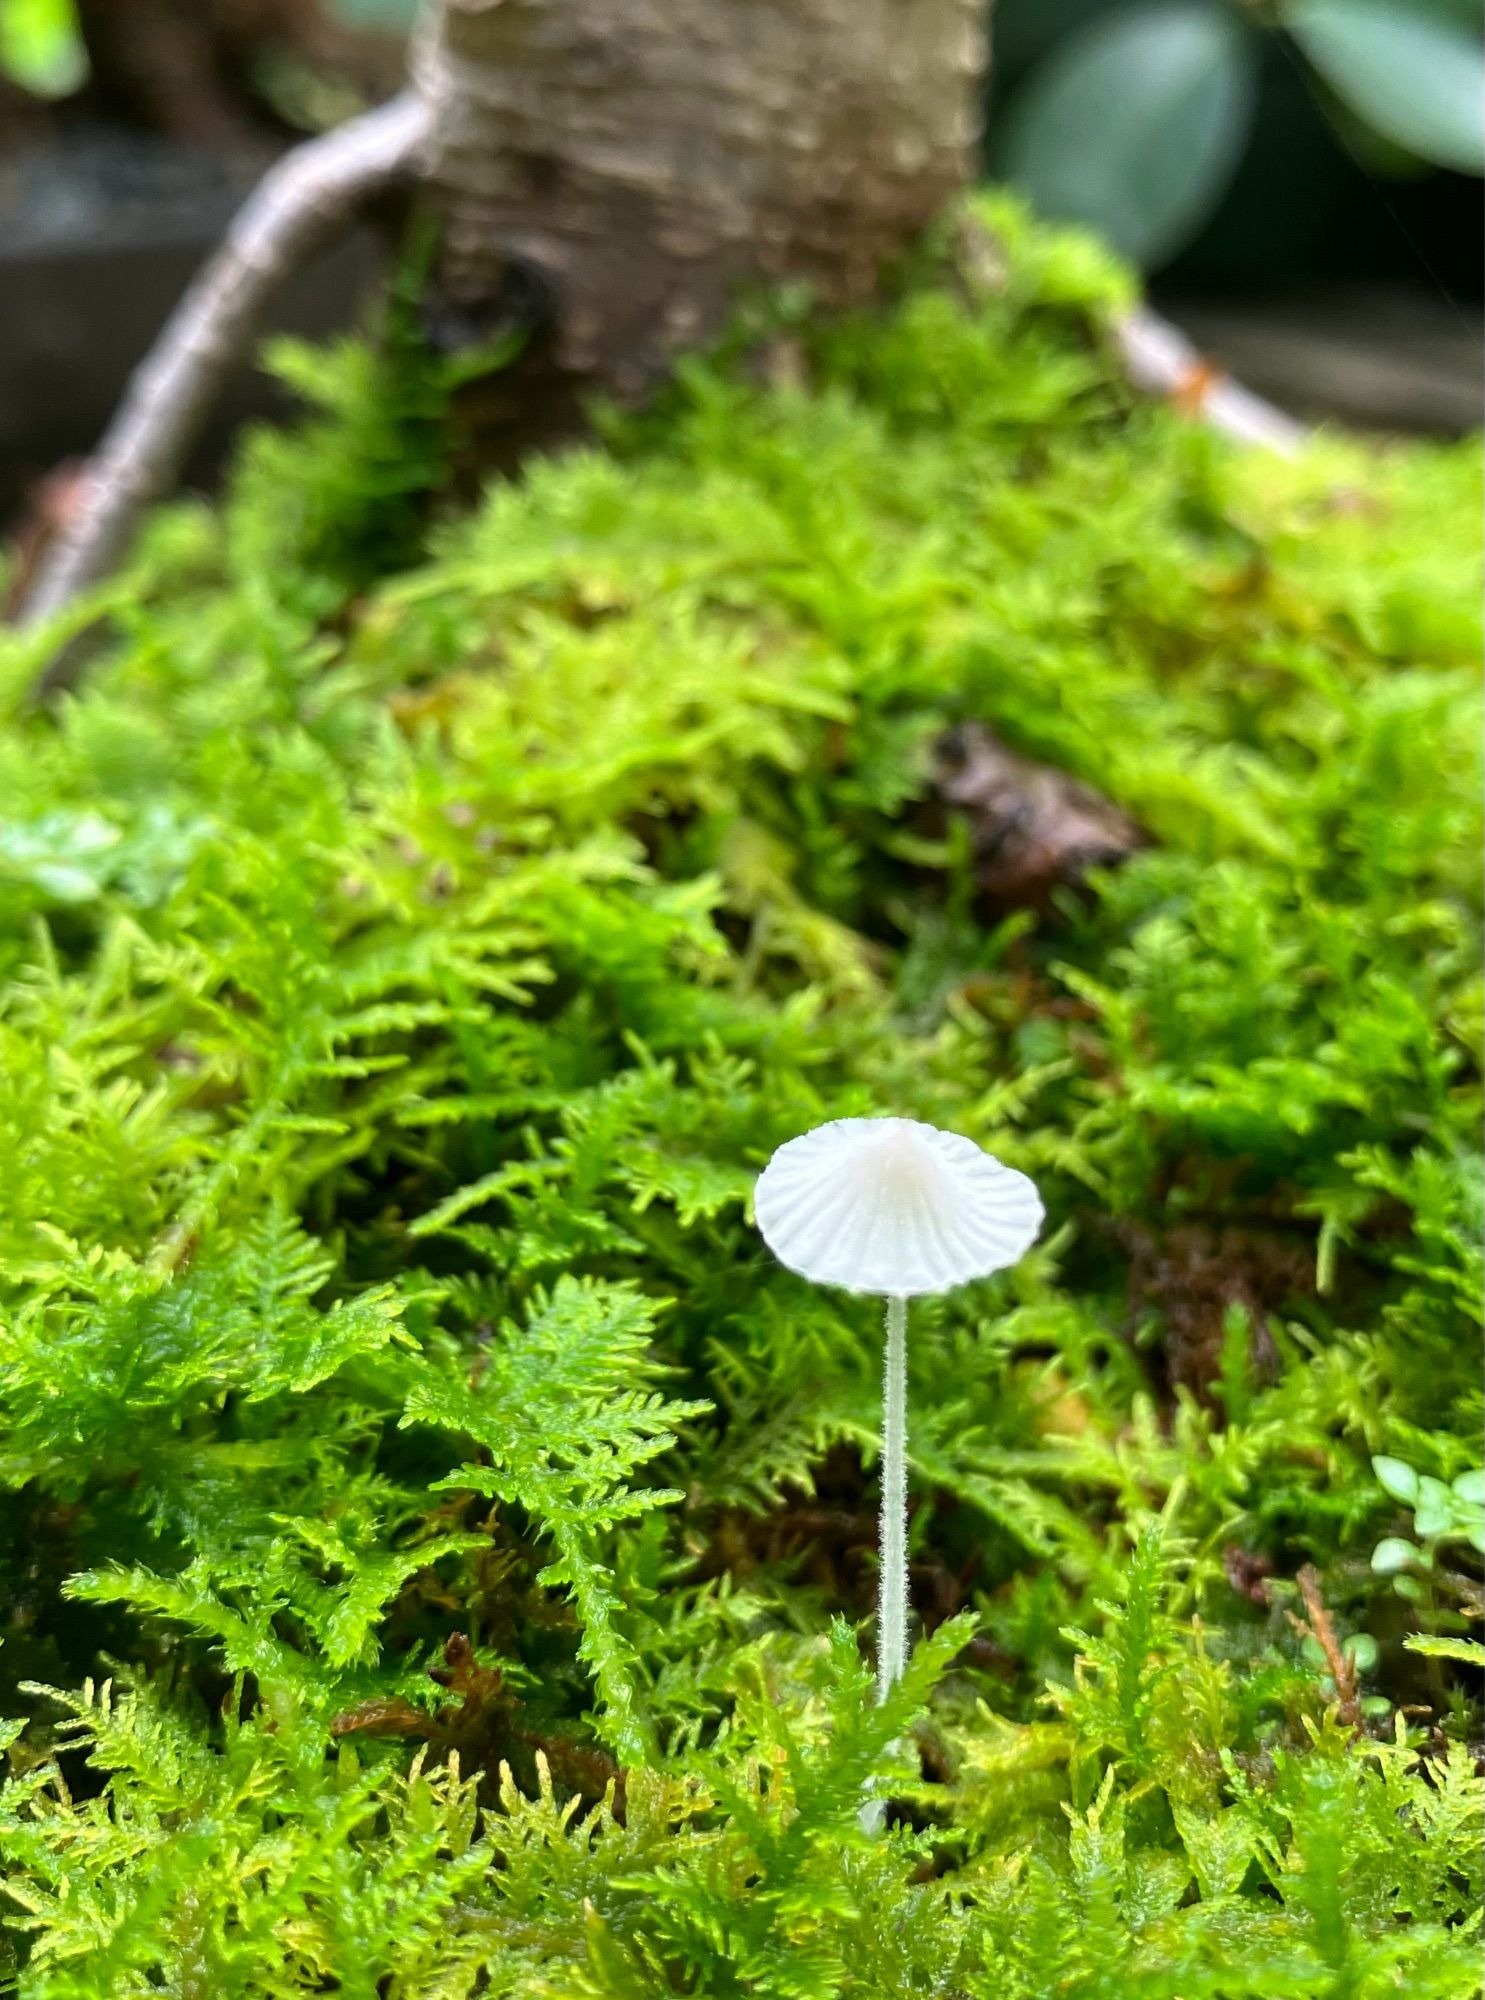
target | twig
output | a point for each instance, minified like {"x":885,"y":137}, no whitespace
{"x":303,"y":199}
{"x":1156,"y":357}
{"x":1341,"y":1670}
{"x":1161,"y":361}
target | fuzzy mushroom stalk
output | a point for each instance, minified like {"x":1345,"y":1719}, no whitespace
{"x":899,"y":1209}
{"x":892,"y":1600}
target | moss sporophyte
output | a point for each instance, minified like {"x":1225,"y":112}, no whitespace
{"x":899,"y":1209}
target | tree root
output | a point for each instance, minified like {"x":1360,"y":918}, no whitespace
{"x":299,"y":204}
{"x":1161,"y":361}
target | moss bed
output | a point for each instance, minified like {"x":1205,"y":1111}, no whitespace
{"x":438,"y":1540}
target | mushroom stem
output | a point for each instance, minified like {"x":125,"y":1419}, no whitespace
{"x":892,"y":1618}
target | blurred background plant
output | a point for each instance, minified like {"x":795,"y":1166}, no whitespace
{"x":1235,"y":132}
{"x":41,"y":46}
{"x":1234,"y":138}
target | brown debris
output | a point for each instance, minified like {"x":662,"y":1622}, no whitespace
{"x":23,"y":116}
{"x":1033,"y":828}
{"x":484,"y":1728}
{"x":1248,"y":1573}
{"x":832,"y":1548}
{"x":192,"y":68}
{"x":460,"y":1728}
{"x":1195,"y":1273}
{"x":829,"y":1539}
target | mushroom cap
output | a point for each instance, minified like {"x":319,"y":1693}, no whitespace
{"x":892,"y":1206}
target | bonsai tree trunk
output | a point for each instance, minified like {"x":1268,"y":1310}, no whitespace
{"x":615,"y":168}
{"x":639,"y":160}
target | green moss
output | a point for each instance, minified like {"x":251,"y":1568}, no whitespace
{"x":401,"y":990}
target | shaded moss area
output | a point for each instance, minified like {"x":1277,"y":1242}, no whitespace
{"x":438,"y":1539}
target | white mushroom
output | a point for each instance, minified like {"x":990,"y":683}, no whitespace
{"x":900,"y":1209}
{"x":892,"y":1206}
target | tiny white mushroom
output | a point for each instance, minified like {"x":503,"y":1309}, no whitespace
{"x":900,"y":1209}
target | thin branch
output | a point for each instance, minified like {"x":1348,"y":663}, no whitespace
{"x":1157,"y":358}
{"x":297,"y":206}
{"x":1161,"y":361}
{"x":1342,"y":1673}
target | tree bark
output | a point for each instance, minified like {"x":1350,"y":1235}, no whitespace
{"x":611,"y":174}
{"x":636,"y":162}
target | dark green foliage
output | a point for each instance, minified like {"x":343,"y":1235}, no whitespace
{"x":438,"y":1539}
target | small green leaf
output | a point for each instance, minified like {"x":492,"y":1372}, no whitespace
{"x":1361,"y":1651}
{"x":1470,"y":1487}
{"x":1416,"y":77}
{"x":1400,"y":1480}
{"x":1433,"y":1514}
{"x":1220,"y":1845}
{"x":1392,"y":1554}
{"x":1469,"y":1652}
{"x":1135,"y":125}
{"x":696,"y":1187}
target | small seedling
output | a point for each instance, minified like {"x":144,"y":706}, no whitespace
{"x":1443,"y":1516}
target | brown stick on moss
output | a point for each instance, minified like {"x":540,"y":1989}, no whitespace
{"x":1348,"y":1702}
{"x":299,"y":204}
